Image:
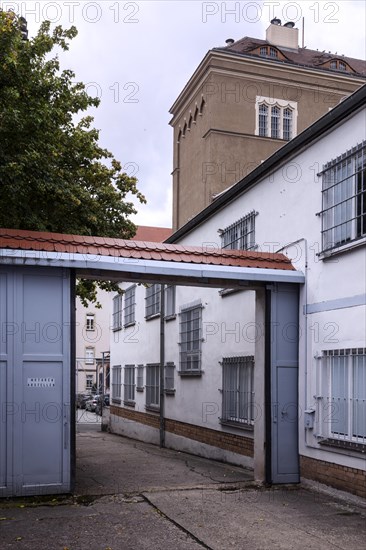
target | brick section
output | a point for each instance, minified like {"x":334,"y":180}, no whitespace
{"x":340,"y":477}
{"x":229,"y":442}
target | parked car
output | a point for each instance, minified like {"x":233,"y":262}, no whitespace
{"x":91,"y":404}
{"x":81,"y":399}
{"x":105,"y":402}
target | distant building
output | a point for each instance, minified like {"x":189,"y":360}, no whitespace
{"x":243,"y":102}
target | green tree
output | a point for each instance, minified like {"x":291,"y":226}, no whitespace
{"x":53,"y":174}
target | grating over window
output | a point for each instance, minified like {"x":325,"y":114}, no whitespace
{"x":275,"y":122}
{"x":129,"y":384}
{"x":169,"y":300}
{"x":241,"y":234}
{"x":140,"y":378}
{"x":190,"y":338}
{"x":344,"y":199}
{"x":263,"y":120}
{"x":238,"y":390}
{"x":117,"y":312}
{"x":116,"y":383}
{"x":152,"y":304}
{"x":152,"y":386}
{"x":342,"y":396}
{"x":287,"y":124}
{"x":129,"y":309}
{"x":169,"y":378}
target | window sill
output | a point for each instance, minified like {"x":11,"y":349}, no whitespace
{"x":347,"y":445}
{"x":152,"y":408}
{"x":169,"y":392}
{"x":116,"y":400}
{"x":190,"y":373}
{"x":116,"y":329}
{"x":131,"y":324}
{"x":140,"y":390}
{"x":129,"y":404}
{"x":347,"y":247}
{"x":151,"y":317}
{"x":239,"y":425}
{"x":170,"y":317}
{"x":229,"y":291}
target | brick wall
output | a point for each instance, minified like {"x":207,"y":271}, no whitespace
{"x":229,"y":442}
{"x":340,"y":477}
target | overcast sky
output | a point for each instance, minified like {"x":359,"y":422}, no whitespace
{"x":137,"y":56}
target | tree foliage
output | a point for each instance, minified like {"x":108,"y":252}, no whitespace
{"x":54,"y":176}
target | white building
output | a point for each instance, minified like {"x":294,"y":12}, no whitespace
{"x":224,"y":395}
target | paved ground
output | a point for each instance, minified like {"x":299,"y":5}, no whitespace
{"x":130,"y":495}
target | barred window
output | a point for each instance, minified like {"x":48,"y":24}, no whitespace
{"x":342,"y":399}
{"x":152,"y":386}
{"x":152,"y":305}
{"x":287,"y":124}
{"x":190,"y":338}
{"x":344,"y":199}
{"x":276,"y":118}
{"x":116,"y":383}
{"x":169,"y":378}
{"x":117,"y":312}
{"x":140,"y":378}
{"x":238,"y":390}
{"x":169,"y":300}
{"x":241,"y":234}
{"x":263,"y":120}
{"x":129,"y":384}
{"x":129,"y":309}
{"x":275,"y":122}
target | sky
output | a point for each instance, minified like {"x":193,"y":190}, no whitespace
{"x":137,"y":57}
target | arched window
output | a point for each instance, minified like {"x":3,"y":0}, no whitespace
{"x":203,"y":103}
{"x":287,"y":124}
{"x":195,"y":114}
{"x":190,"y":122}
{"x":179,"y":136}
{"x":263,"y":119}
{"x":273,"y":52}
{"x":275,"y":122}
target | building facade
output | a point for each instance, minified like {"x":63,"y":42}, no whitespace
{"x":245,"y":101}
{"x":308,"y":201}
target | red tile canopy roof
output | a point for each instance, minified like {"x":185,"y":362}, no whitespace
{"x":152,"y":234}
{"x":142,"y":250}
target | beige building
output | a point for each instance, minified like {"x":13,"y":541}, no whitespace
{"x":245,"y":101}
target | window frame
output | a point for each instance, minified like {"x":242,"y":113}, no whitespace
{"x":117,"y":313}
{"x":129,"y":309}
{"x":343,"y":214}
{"x":90,"y":322}
{"x":152,"y":386}
{"x":89,"y":378}
{"x":140,"y":378}
{"x":89,"y":355}
{"x":190,"y":340}
{"x":241,"y":233}
{"x":169,"y":371}
{"x":116,"y":385}
{"x":237,"y":407}
{"x":284,"y":112}
{"x":152,"y":295}
{"x":170,"y":302}
{"x":129,"y":385}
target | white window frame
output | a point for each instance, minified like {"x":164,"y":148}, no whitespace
{"x":129,"y":384}
{"x":90,"y":321}
{"x":89,"y":382}
{"x":116,"y":386}
{"x":238,"y":390}
{"x":344,"y":199}
{"x":129,"y":309}
{"x":152,"y":301}
{"x":117,"y":312}
{"x":342,"y":397}
{"x":89,"y":355}
{"x":280,"y":104}
{"x":190,"y":338}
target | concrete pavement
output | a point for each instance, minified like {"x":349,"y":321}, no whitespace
{"x":131,"y":495}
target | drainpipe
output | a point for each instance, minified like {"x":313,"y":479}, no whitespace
{"x":162,"y":363}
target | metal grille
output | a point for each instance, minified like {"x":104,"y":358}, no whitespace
{"x":169,"y":300}
{"x":241,"y":234}
{"x":275,"y":122}
{"x":152,"y":300}
{"x":342,"y":399}
{"x":116,"y":383}
{"x":152,"y":386}
{"x":129,"y":384}
{"x":140,"y":378}
{"x":263,"y":120}
{"x":238,"y":389}
{"x":287,"y":124}
{"x":190,"y":338}
{"x":344,"y":199}
{"x":169,"y":377}
{"x":117,"y":312}
{"x":129,"y":309}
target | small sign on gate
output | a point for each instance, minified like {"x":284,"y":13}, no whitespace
{"x":44,"y":382}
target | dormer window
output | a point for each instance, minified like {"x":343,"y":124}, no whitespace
{"x":338,"y":65}
{"x":273,"y":52}
{"x":268,"y":51}
{"x":342,"y":66}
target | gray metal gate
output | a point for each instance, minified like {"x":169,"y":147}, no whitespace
{"x":284,"y":352}
{"x":34,"y":381}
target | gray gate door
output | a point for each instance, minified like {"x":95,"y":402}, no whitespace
{"x":284,"y":384}
{"x":34,"y":381}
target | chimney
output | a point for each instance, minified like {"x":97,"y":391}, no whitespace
{"x":229,"y":41}
{"x":285,"y":36}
